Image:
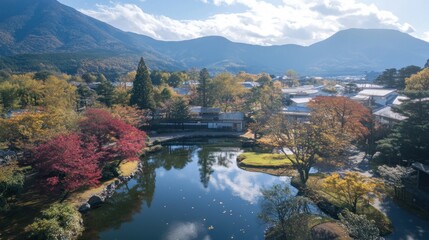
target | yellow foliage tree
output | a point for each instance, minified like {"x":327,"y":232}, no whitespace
{"x":58,"y":94}
{"x":26,"y":129}
{"x":418,"y":81}
{"x":130,"y":115}
{"x":225,"y":92}
{"x":351,"y":189}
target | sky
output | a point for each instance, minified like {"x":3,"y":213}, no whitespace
{"x":261,"y":22}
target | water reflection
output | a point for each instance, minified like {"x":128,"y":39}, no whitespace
{"x":173,"y":156}
{"x":185,"y":230}
{"x":187,"y":191}
{"x":208,"y":157}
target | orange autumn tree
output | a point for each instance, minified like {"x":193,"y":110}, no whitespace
{"x":342,"y":120}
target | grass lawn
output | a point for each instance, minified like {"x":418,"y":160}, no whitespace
{"x":381,"y":220}
{"x":126,"y":168}
{"x":254,"y":159}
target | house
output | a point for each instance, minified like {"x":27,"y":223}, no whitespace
{"x":399,"y":99}
{"x":375,"y":98}
{"x":300,"y":102}
{"x":207,"y":113}
{"x":386,"y":116}
{"x":126,"y":85}
{"x":297,"y":113}
{"x":208,"y":118}
{"x":182,"y":91}
{"x":250,"y":85}
{"x":231,"y":121}
{"x":364,"y":86}
{"x":301,"y":91}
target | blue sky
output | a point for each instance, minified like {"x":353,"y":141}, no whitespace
{"x":263,"y":22}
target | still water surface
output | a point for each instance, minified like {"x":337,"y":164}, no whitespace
{"x":187,"y":191}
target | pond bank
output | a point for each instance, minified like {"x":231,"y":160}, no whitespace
{"x":158,"y":138}
{"x":93,"y":198}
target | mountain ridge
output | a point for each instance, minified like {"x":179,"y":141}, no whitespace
{"x":49,"y":27}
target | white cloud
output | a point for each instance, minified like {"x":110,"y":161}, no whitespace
{"x":291,"y":21}
{"x":183,"y":231}
{"x":425,"y":36}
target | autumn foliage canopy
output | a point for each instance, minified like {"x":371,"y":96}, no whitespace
{"x":71,"y":161}
{"x":67,"y":163}
{"x":341,"y":119}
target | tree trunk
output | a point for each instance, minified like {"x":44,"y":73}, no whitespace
{"x":303,"y":175}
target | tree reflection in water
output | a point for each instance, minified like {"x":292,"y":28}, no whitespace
{"x":209,"y":156}
{"x":130,"y":198}
{"x":127,"y":201}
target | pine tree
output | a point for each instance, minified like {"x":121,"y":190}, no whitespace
{"x":203,"y":87}
{"x":142,"y":92}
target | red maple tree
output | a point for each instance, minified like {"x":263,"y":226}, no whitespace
{"x":115,"y":138}
{"x":67,"y":163}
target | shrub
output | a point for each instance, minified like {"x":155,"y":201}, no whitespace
{"x":58,"y":222}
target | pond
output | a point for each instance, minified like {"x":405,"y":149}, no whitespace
{"x":189,"y":190}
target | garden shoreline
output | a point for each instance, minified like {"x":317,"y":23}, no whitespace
{"x":95,"y":197}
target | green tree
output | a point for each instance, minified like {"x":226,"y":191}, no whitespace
{"x":202,"y":89}
{"x":264,"y":79}
{"x":89,"y":78}
{"x":42,"y":75}
{"x":159,"y":77}
{"x":58,"y":222}
{"x":121,"y":96}
{"x":280,"y":209}
{"x":176,"y":79}
{"x":292,"y":79}
{"x":409,"y":139}
{"x":142,"y":91}
{"x":262,"y":103}
{"x":11,"y":183}
{"x":105,"y":91}
{"x":405,"y":73}
{"x":393,"y":78}
{"x":85,"y":96}
{"x":387,"y":78}
{"x":225,"y":92}
{"x":180,"y":109}
{"x":414,"y":130}
{"x":8,"y":96}
{"x":359,"y":227}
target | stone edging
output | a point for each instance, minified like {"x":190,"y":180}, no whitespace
{"x":98,"y":199}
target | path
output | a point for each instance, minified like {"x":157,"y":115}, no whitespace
{"x":408,"y":226}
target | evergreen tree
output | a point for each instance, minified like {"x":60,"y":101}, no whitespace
{"x":203,"y":87}
{"x":414,"y":131}
{"x":180,"y":109}
{"x":142,"y":92}
{"x":105,"y":91}
{"x":86,"y":96}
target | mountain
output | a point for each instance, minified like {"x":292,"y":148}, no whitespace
{"x":37,"y":34}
